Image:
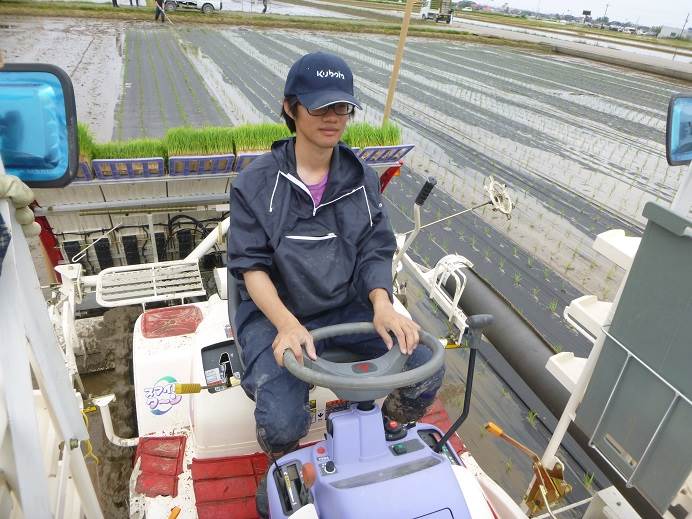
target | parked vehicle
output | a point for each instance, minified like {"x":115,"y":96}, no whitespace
{"x":437,"y":10}
{"x":206,"y":6}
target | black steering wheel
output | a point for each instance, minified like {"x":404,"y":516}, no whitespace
{"x":364,"y":380}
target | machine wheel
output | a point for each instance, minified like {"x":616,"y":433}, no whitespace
{"x":207,"y":8}
{"x":170,"y":5}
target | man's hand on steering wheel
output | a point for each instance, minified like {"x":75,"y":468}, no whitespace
{"x":293,"y":336}
{"x":387,"y":319}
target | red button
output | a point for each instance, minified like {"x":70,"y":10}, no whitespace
{"x":321,"y":450}
{"x":393,"y":424}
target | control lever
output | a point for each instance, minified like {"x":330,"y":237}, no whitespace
{"x":420,"y":200}
{"x":476,"y":324}
{"x":424,"y":192}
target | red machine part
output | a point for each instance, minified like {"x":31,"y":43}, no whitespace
{"x":162,"y":463}
{"x":50,"y":243}
{"x":225,"y":487}
{"x":171,"y":321}
{"x":389,"y":174}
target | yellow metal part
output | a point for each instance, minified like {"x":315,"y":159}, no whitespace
{"x":188,"y":389}
{"x":548,"y":485}
{"x":452,"y":345}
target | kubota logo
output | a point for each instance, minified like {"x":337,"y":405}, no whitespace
{"x":330,"y":73}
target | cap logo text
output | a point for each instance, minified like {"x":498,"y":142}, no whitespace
{"x":330,"y":73}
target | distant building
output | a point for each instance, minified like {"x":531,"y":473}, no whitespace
{"x":674,"y":32}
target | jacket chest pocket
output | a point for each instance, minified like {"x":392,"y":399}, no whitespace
{"x":316,"y":265}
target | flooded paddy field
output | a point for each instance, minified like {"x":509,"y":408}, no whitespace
{"x":581,"y":146}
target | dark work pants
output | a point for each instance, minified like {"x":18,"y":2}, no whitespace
{"x":282,"y":412}
{"x":160,"y":13}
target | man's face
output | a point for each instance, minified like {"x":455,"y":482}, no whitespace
{"x":323,"y":131}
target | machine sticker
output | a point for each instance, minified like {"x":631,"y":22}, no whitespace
{"x":213,"y":376}
{"x":322,"y":459}
{"x":229,"y":331}
{"x":161,"y":396}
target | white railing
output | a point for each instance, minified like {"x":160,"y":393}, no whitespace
{"x":28,"y":345}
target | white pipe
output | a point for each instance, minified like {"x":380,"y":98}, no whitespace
{"x":208,"y":243}
{"x":400,"y":254}
{"x":84,"y":486}
{"x":102,"y":403}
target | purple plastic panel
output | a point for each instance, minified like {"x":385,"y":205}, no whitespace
{"x":116,"y":169}
{"x":200,"y":165}
{"x":243,"y":160}
{"x":84,"y":172}
{"x":368,"y":479}
{"x":385,"y":154}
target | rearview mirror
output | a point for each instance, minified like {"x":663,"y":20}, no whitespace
{"x":38,"y":124}
{"x":679,"y":130}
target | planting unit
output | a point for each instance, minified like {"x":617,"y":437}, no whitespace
{"x":204,"y":165}
{"x":107,"y":169}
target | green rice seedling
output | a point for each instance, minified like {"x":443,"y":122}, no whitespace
{"x":531,"y":418}
{"x":134,"y":149}
{"x":86,"y":142}
{"x":486,"y":254}
{"x":504,"y":392}
{"x":211,"y":140}
{"x":361,"y":135}
{"x":557,"y":348}
{"x":529,"y":261}
{"x":258,"y":137}
{"x":508,"y":465}
{"x":546,"y":273}
{"x":501,"y":264}
{"x":534,"y":292}
{"x":587,"y":480}
{"x":473,"y":242}
{"x":517,"y":279}
{"x":552,"y":305}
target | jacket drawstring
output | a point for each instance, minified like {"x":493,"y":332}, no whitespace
{"x":315,"y":208}
{"x":271,"y":200}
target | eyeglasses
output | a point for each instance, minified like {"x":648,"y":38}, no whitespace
{"x":339,"y":109}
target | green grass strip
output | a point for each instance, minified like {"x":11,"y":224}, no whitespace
{"x":86,"y":142}
{"x":212,"y":140}
{"x":81,"y":10}
{"x":360,"y":135}
{"x":199,"y":141}
{"x":258,"y":137}
{"x":134,"y":149}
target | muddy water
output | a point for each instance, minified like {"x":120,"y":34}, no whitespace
{"x":90,"y":51}
{"x":112,"y":334}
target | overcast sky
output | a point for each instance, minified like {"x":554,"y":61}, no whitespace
{"x":648,"y":12}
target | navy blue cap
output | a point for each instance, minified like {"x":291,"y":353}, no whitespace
{"x":319,"y":79}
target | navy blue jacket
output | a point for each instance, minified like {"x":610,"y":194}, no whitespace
{"x":318,"y":257}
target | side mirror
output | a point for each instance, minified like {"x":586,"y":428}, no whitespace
{"x":38,"y":124}
{"x":679,"y":130}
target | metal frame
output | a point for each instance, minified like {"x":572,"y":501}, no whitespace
{"x":677,"y":395}
{"x":31,"y":341}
